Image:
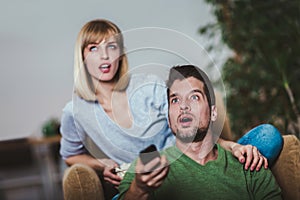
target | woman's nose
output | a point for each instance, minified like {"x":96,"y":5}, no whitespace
{"x":104,"y":55}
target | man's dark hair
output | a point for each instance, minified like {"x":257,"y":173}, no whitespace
{"x":181,"y":72}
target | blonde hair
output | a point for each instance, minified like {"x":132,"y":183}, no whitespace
{"x":92,"y":32}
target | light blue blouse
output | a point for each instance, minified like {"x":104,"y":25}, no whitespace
{"x":86,"y":128}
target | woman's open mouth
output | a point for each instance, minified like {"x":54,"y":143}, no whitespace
{"x":105,"y":68}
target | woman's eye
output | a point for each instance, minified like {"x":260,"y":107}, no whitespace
{"x":112,"y":46}
{"x":93,"y":48}
{"x":195,"y":97}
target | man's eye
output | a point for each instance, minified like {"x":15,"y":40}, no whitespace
{"x":174,"y":100}
{"x":93,"y":48}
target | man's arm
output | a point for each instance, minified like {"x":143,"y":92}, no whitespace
{"x":264,"y":185}
{"x":147,"y":178}
{"x":134,"y":192}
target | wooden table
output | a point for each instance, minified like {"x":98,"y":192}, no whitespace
{"x":50,"y":171}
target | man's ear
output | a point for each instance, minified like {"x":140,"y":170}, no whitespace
{"x":214,"y":113}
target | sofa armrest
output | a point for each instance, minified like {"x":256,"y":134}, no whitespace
{"x":222,"y":123}
{"x":287,"y":168}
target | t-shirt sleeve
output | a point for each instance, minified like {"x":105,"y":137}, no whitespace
{"x":127,"y":180}
{"x":264,"y":185}
{"x":70,"y":143}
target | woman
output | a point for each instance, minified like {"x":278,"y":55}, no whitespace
{"x":114,"y":115}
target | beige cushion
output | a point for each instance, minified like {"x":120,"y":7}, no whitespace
{"x":81,"y":182}
{"x":222,"y":123}
{"x":287,"y":168}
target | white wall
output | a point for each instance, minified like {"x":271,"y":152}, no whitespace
{"x":36,"y":45}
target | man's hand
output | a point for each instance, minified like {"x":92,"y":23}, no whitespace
{"x":151,"y":175}
{"x":249,"y":155}
{"x":148,"y":177}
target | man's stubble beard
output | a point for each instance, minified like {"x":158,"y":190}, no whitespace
{"x":195,"y":135}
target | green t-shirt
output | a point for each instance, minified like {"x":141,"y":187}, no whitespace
{"x":223,"y":178}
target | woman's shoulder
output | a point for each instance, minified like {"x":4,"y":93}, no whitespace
{"x":147,"y":82}
{"x":146,"y":78}
{"x":68,"y":107}
{"x":76,"y":101}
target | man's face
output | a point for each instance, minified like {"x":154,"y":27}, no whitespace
{"x":189,"y":113}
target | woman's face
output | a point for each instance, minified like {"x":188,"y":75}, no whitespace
{"x":102,"y":59}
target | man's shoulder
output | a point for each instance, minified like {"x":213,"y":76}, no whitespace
{"x":234,"y":163}
{"x":171,"y":152}
{"x":228,"y":161}
{"x":223,"y":153}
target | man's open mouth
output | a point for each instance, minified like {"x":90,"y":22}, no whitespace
{"x":185,"y":119}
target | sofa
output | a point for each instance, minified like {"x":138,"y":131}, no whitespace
{"x":286,"y":169}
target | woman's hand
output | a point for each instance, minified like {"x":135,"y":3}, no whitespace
{"x":109,"y":171}
{"x":110,"y":176}
{"x":249,"y":155}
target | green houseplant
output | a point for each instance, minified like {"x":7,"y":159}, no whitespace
{"x":51,"y":127}
{"x":262,"y":78}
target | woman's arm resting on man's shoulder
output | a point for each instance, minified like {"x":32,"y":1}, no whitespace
{"x":247,"y":154}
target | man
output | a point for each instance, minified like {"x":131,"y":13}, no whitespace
{"x":196,"y":168}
